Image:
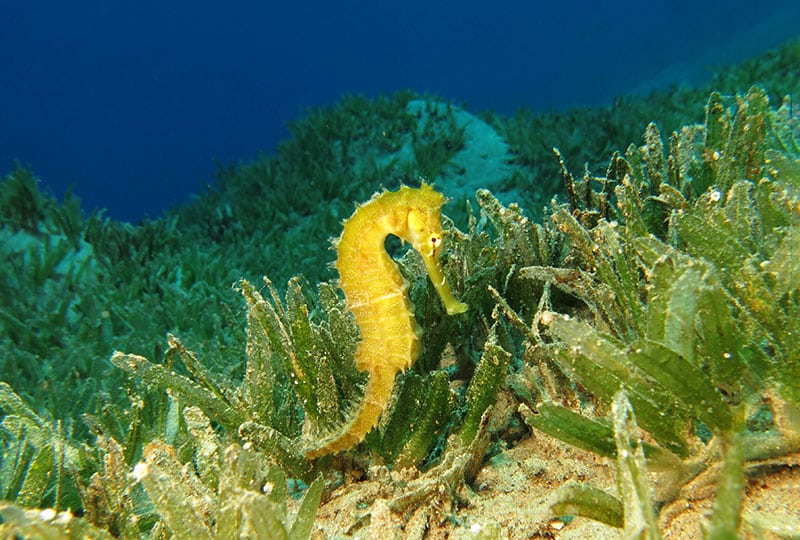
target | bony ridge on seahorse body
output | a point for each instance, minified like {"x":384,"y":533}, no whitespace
{"x":376,"y":293}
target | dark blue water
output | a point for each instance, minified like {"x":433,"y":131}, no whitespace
{"x":134,"y":102}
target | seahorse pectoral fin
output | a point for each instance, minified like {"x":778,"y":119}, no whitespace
{"x":451,"y":304}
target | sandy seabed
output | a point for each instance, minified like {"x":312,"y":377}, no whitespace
{"x":510,"y":495}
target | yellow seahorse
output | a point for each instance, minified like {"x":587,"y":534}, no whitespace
{"x":375,"y":292}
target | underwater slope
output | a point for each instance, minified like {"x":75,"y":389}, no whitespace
{"x":585,"y":327}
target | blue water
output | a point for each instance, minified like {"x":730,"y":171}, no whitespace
{"x":134,"y":103}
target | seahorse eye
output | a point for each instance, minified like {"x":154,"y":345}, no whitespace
{"x":436,"y":241}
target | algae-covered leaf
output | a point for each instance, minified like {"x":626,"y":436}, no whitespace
{"x":46,"y":524}
{"x":277,"y":445}
{"x":249,"y":501}
{"x":210,"y":401}
{"x":733,"y":361}
{"x":679,"y":331}
{"x":183,"y":504}
{"x":310,"y":362}
{"x":672,"y":198}
{"x":747,"y":140}
{"x":12,"y":404}
{"x":111,"y":500}
{"x":523,"y":242}
{"x":602,"y":366}
{"x":755,"y":293}
{"x":253,"y":499}
{"x":718,"y":122}
{"x":684,"y":381}
{"x":709,"y":235}
{"x":37,"y":458}
{"x":653,"y":158}
{"x":574,"y":428}
{"x":395,"y":429}
{"x":206,"y":445}
{"x":690,"y":313}
{"x":587,"y":501}
{"x":489,"y":374}
{"x":726,"y":516}
{"x":776,"y":202}
{"x":420,"y":413}
{"x":741,"y":212}
{"x":640,"y":516}
{"x":269,"y":335}
{"x":626,"y":285}
{"x":201,"y":374}
{"x":435,"y":410}
{"x":307,"y":357}
{"x":599,"y":298}
{"x":593,"y":434}
{"x":340,"y":333}
{"x":606,"y":253}
{"x":17,"y":454}
{"x":784,"y":266}
{"x":267,"y":384}
{"x":37,"y":478}
{"x":660,"y":267}
{"x":630,"y":206}
{"x":304,"y":520}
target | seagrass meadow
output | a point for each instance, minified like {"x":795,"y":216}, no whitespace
{"x":628,"y":367}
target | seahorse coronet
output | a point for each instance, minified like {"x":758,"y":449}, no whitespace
{"x":376,"y":293}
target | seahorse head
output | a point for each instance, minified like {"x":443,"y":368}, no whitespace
{"x":424,"y":233}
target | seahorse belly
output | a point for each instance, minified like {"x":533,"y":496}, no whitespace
{"x":376,"y":293}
